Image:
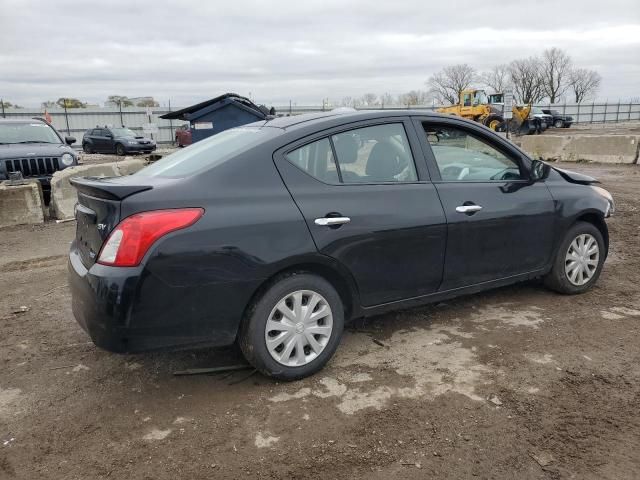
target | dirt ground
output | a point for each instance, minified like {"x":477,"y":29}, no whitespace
{"x":518,"y":382}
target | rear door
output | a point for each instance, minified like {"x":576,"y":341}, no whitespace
{"x":100,"y":140}
{"x":499,"y":223}
{"x":369,"y":204}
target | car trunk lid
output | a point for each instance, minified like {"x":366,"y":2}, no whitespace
{"x":98,"y":211}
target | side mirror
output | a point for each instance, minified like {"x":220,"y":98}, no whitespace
{"x":70,"y":140}
{"x":539,"y":170}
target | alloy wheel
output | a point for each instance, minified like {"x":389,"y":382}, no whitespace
{"x":298,"y":328}
{"x":581,"y":260}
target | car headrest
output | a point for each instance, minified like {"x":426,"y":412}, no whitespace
{"x":383,"y":163}
{"x":346,"y":148}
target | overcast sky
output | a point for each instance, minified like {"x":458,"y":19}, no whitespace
{"x":304,"y":50}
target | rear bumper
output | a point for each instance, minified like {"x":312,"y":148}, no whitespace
{"x":101,"y":302}
{"x":134,"y":310}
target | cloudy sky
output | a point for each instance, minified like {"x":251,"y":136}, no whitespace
{"x":305,"y":51}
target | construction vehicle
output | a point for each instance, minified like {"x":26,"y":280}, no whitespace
{"x":488,"y":110}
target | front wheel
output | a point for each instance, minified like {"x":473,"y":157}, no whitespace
{"x":294,"y":328}
{"x":494,"y":122}
{"x":558,"y":124}
{"x":578,"y":261}
{"x":87,"y":148}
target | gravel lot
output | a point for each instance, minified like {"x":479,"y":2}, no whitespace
{"x":518,"y":382}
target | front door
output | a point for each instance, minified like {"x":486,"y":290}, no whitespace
{"x":373,"y":209}
{"x":500,"y":224}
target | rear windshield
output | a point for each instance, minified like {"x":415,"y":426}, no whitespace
{"x":208,"y":153}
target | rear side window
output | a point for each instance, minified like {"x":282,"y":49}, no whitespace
{"x":317,"y":160}
{"x":209,"y":152}
{"x":377,"y":154}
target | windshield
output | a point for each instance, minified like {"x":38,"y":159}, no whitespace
{"x":209,"y":152}
{"x":123,"y":132}
{"x":35,"y":132}
{"x":481,"y":97}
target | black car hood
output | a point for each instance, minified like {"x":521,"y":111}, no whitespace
{"x":14,"y":150}
{"x":575,"y":177}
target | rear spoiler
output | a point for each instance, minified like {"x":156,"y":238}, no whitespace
{"x":110,"y":188}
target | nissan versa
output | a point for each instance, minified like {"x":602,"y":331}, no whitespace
{"x":276,"y":233}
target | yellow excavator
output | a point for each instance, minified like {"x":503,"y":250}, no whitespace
{"x":476,"y":105}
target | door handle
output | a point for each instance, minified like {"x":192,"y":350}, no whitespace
{"x":468,"y":208}
{"x":330,"y":221}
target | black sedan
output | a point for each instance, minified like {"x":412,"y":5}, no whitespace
{"x":116,"y":140}
{"x":276,"y":233}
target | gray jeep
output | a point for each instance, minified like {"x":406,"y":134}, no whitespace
{"x":33,"y":149}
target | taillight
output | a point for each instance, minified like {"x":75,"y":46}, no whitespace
{"x":131,"y":239}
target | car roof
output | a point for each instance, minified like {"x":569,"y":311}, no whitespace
{"x":20,"y":120}
{"x":333,"y":117}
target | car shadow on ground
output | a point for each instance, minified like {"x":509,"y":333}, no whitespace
{"x":213,"y":361}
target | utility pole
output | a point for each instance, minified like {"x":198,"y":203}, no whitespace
{"x":173,"y":135}
{"x":120,"y":108}
{"x":2,"y":103}
{"x":66,"y":115}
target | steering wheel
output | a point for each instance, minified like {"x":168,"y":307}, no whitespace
{"x":463,"y":173}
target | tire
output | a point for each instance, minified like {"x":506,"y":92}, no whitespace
{"x":558,"y":279}
{"x":558,"y":124}
{"x":263,"y":312}
{"x":120,"y":151}
{"x":86,"y":147}
{"x":494,"y":122}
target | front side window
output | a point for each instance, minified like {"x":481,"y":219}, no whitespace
{"x":462,"y":156}
{"x":375,"y":154}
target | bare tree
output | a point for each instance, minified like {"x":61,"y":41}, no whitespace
{"x":413,"y":97}
{"x":369,"y":99}
{"x":346,"y":102}
{"x":497,"y":78}
{"x":526,"y":78}
{"x":584,"y":83}
{"x":447,"y":84}
{"x":555,"y":71}
{"x":48,"y":104}
{"x":386,"y":99}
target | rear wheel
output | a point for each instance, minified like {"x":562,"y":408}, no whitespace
{"x":120,"y":149}
{"x":86,"y":147}
{"x":294,"y":328}
{"x":578,"y":261}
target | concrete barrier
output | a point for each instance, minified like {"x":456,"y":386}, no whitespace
{"x":21,"y":204}
{"x":63,"y":194}
{"x":591,"y":148}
